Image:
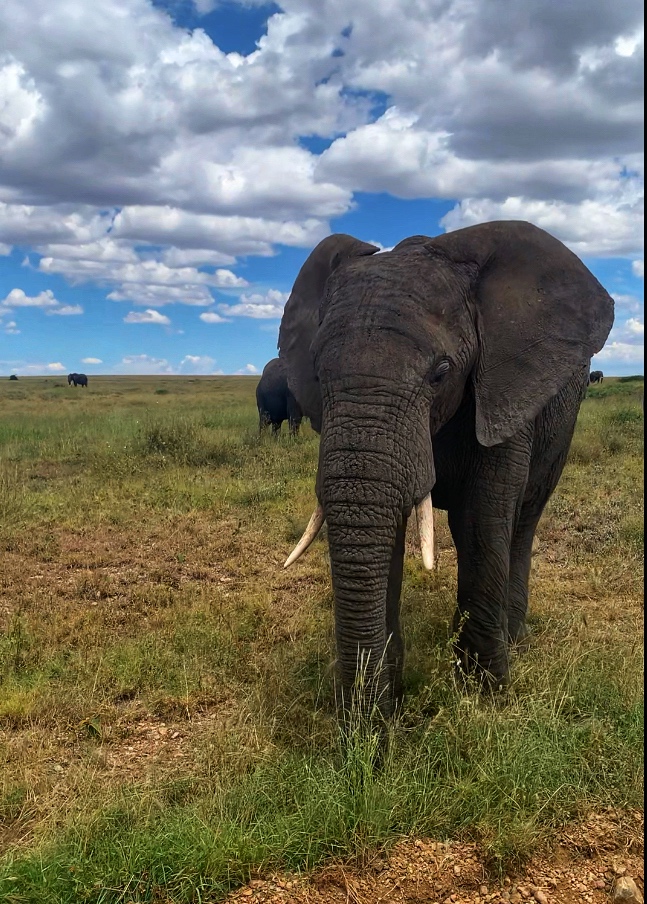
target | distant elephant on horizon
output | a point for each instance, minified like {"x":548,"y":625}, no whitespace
{"x":77,"y":380}
{"x":13,"y":377}
{"x":596,"y":376}
{"x":275,"y":401}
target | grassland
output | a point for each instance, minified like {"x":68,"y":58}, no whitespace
{"x":166,"y":718}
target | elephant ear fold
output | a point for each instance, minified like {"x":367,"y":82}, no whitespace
{"x":540,"y":315}
{"x":300,"y":320}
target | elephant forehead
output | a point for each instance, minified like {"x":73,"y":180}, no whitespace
{"x":404,"y":290}
{"x":410,"y":273}
{"x":396,"y":338}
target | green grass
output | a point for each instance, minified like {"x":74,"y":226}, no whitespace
{"x":143,"y":525}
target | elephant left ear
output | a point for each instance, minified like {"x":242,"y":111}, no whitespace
{"x":300,"y":320}
{"x":540,"y":316}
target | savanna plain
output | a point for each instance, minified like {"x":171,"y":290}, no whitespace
{"x":167,"y":725}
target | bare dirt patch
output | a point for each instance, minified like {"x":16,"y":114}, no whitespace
{"x":582,"y":867}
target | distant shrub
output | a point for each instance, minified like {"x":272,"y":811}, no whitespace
{"x":161,"y":392}
{"x":173,"y":438}
{"x":189,"y":443}
{"x":624,"y":416}
{"x":632,"y":532}
{"x":639,"y":378}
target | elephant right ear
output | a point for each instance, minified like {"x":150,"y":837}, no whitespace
{"x":300,"y":320}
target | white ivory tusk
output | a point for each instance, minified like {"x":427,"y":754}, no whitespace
{"x":314,"y":526}
{"x":425,"y":518}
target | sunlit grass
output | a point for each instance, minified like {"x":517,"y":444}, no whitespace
{"x":143,"y":526}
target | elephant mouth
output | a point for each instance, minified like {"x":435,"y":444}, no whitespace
{"x":424,"y":518}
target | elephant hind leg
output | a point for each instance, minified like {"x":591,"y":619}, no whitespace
{"x":550,"y":451}
{"x":520,"y":561}
{"x":294,"y":414}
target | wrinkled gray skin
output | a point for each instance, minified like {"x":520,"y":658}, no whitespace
{"x":455,"y":364}
{"x":77,"y":379}
{"x":596,"y":376}
{"x":275,"y":401}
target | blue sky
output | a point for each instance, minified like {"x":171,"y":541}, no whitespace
{"x":166,"y":167}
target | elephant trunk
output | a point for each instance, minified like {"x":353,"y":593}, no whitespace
{"x":374,"y":465}
{"x":362,"y":543}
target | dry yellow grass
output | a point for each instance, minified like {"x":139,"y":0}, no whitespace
{"x":155,"y":658}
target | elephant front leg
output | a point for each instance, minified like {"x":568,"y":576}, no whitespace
{"x":395,"y":643}
{"x":482,"y":527}
{"x":481,"y":621}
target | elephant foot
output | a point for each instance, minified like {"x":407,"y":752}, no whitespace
{"x":482,"y":656}
{"x":489,"y":673}
{"x":473,"y":675}
{"x":520,"y":638}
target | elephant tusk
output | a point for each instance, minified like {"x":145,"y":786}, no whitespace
{"x":425,"y":518}
{"x":314,"y":526}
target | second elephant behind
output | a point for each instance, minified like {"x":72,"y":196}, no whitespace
{"x":275,"y":401}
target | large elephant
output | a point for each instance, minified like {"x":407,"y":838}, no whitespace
{"x":275,"y":401}
{"x":596,"y":376}
{"x":77,"y":379}
{"x":449,"y":369}
{"x":71,"y":379}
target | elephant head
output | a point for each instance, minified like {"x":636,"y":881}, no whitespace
{"x":382,"y":350}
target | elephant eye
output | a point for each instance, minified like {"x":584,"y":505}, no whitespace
{"x":440,"y":371}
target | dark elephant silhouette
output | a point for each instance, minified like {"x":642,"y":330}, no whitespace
{"x":424,"y":371}
{"x":596,"y":376}
{"x":274,"y":399}
{"x":77,"y":379}
{"x":13,"y":377}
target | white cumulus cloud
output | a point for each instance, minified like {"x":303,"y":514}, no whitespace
{"x":620,"y":353}
{"x":18,"y":299}
{"x":91,"y":361}
{"x":256,"y":306}
{"x":212,"y":317}
{"x":602,"y":227}
{"x":66,"y":310}
{"x":43,"y":369}
{"x":198,"y":364}
{"x":142,"y":365}
{"x":147,"y":316}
